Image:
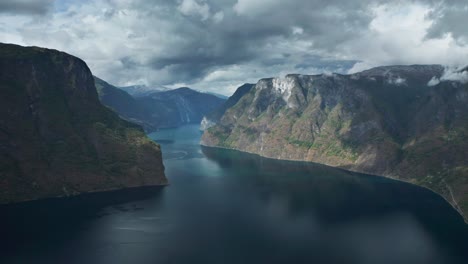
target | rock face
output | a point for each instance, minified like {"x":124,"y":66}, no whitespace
{"x":391,"y":121}
{"x":215,"y":116}
{"x":56,"y":139}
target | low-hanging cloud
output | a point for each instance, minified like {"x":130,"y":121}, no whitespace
{"x":451,"y":74}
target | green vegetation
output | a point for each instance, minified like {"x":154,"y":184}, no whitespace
{"x":300,"y":143}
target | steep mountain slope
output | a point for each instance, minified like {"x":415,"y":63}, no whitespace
{"x":123,"y":104}
{"x":385,"y":121}
{"x":215,"y":116}
{"x":222,"y":96}
{"x":56,"y":139}
{"x":178,"y":107}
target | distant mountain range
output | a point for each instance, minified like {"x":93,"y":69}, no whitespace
{"x":158,"y":109}
{"x":404,"y":122}
{"x":142,"y":90}
{"x":215,"y":94}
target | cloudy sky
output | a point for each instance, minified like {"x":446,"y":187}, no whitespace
{"x":216,"y":45}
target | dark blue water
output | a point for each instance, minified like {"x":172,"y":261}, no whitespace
{"x":229,"y":207}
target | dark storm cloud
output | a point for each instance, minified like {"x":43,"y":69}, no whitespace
{"x":327,"y":22}
{"x":205,"y":46}
{"x":33,"y":7}
{"x":330,"y":65}
{"x":250,"y":32}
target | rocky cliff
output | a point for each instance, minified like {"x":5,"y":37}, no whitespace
{"x":56,"y":139}
{"x":404,"y":122}
{"x":215,"y":116}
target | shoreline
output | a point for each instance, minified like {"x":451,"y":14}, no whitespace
{"x":455,"y":207}
{"x":109,"y":191}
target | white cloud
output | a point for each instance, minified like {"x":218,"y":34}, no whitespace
{"x":397,"y":35}
{"x":192,"y":7}
{"x":297,"y":30}
{"x":455,"y":75}
{"x":398,"y":81}
{"x":218,"y":16}
{"x":450,"y":74}
{"x":201,"y":9}
{"x":433,"y":82}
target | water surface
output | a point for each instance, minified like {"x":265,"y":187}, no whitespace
{"x":225,"y":206}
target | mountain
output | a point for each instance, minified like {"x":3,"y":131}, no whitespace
{"x":214,"y":116}
{"x":155,"y":110}
{"x":224,"y":97}
{"x":123,"y":103}
{"x":179,"y":106}
{"x":391,"y":121}
{"x":56,"y":139}
{"x":143,"y":90}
